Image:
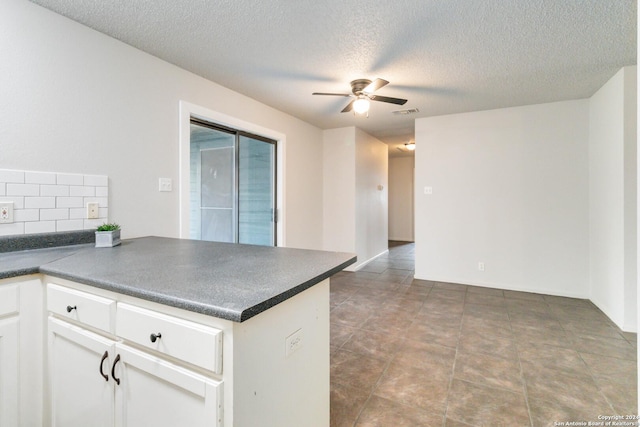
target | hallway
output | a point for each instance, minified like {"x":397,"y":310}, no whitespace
{"x":408,"y":352}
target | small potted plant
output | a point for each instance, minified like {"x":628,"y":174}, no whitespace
{"x":108,"y":235}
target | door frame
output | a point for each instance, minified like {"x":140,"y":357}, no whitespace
{"x":189,"y":111}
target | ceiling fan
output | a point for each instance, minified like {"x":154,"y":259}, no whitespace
{"x":362,"y":92}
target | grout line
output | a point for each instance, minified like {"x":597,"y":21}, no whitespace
{"x":522,"y":377}
{"x":455,"y":359}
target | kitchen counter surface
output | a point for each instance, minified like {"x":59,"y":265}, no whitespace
{"x":22,"y":263}
{"x":229,"y":281}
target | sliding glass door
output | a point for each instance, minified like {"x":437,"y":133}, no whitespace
{"x":232,"y":186}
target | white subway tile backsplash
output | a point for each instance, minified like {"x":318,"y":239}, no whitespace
{"x":69,"y":179}
{"x":45,"y":202}
{"x":96,"y":180}
{"x":12,"y":229}
{"x":39,"y":178}
{"x":53,"y":214}
{"x":23,"y":189}
{"x":69,"y":202}
{"x":39,"y":202}
{"x":102,"y":191}
{"x":90,"y":224}
{"x":69,"y":224}
{"x":54,"y":190}
{"x":77,"y":213}
{"x":7,"y":175}
{"x":103,"y":202}
{"x":39,"y":227}
{"x":26,"y":215}
{"x":18,"y":201}
{"x":82,"y":191}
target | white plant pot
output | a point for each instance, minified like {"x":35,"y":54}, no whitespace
{"x":107,"y":239}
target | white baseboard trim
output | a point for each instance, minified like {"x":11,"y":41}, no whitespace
{"x":544,"y":291}
{"x":358,"y":265}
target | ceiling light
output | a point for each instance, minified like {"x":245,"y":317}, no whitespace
{"x":361,"y":105}
{"x":410,"y":146}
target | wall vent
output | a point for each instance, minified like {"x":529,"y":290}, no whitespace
{"x":406,"y":112}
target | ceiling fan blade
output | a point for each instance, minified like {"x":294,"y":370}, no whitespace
{"x":390,"y":100}
{"x":331,"y":94}
{"x":375,"y":85}
{"x":349,"y":107}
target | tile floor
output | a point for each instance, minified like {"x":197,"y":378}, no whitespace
{"x":407,"y":352}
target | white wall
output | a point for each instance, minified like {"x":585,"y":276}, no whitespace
{"x":355,"y":210}
{"x":612,"y":198}
{"x":73,"y":100}
{"x":339,"y":190}
{"x":372,"y":197}
{"x":401,"y":198}
{"x":510,"y":190}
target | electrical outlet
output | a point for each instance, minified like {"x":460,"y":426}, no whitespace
{"x":481,"y":266}
{"x":93,"y":210}
{"x":293,"y":342}
{"x":165,"y":184}
{"x":6,"y":212}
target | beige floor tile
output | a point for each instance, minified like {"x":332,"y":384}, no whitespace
{"x":415,"y":387}
{"x":479,"y":405}
{"x":356,"y":370}
{"x":373,"y":344}
{"x":346,"y":404}
{"x":489,"y":370}
{"x":380,"y":412}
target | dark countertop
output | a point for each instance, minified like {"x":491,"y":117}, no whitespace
{"x":21,"y":263}
{"x":229,"y":281}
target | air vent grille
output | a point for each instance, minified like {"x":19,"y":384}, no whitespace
{"x":406,"y":112}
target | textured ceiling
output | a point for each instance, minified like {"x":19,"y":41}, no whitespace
{"x":445,"y":56}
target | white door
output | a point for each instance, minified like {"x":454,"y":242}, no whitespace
{"x":154,"y":392}
{"x":81,"y":386}
{"x":9,"y":372}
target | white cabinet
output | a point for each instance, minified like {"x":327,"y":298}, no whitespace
{"x":98,"y":377}
{"x":154,"y":392}
{"x":81,"y":387}
{"x":9,"y":371}
{"x":21,"y":348}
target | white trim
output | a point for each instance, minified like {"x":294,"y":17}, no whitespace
{"x":356,"y":267}
{"x":542,"y":291}
{"x":187,"y":111}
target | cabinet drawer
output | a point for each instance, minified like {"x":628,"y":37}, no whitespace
{"x":191,"y":342}
{"x":88,"y":309}
{"x":8,"y":299}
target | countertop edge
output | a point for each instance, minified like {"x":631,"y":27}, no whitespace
{"x":259,"y":308}
{"x":195,"y":306}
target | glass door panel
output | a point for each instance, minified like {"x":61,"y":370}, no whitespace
{"x":212,"y":186}
{"x":232,"y":186}
{"x":256,"y":195}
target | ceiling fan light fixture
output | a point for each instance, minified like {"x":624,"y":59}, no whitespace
{"x":361,"y":105}
{"x":410,"y":146}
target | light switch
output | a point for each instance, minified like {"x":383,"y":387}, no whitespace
{"x":165,"y":184}
{"x":428,"y":190}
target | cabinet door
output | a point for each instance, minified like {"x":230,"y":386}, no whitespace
{"x":79,"y":360}
{"x":155,"y":392}
{"x":9,"y":372}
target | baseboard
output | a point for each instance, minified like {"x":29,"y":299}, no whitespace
{"x":543,"y":291}
{"x":358,"y":266}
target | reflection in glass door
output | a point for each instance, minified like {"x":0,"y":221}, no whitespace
{"x":256,"y":198}
{"x":232,"y":186}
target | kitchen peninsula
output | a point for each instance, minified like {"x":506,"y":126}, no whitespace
{"x":163,"y":331}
